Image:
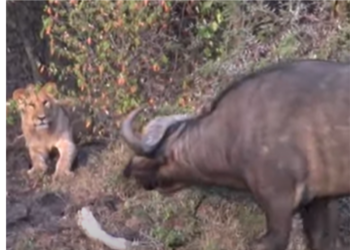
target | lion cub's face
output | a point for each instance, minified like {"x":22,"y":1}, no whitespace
{"x":37,"y":106}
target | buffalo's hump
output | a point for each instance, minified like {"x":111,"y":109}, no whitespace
{"x":277,"y":118}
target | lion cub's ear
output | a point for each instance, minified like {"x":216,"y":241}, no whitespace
{"x":19,"y":97}
{"x":50,"y":89}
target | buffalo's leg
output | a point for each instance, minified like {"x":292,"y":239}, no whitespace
{"x":279,"y":214}
{"x":320,"y":224}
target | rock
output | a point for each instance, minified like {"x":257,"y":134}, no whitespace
{"x":15,"y":212}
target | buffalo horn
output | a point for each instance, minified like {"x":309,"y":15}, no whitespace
{"x":128,"y":134}
{"x":153,"y":133}
{"x":155,"y":130}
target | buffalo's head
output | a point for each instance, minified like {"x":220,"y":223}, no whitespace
{"x":154,"y":164}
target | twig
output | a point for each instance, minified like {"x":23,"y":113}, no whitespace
{"x":198,"y":204}
{"x":15,"y":141}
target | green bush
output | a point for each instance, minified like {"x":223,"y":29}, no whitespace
{"x":122,"y":53}
{"x":119,"y":54}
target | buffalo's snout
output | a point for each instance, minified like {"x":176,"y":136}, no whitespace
{"x":143,"y":170}
{"x":149,"y":175}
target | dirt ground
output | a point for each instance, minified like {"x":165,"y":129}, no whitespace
{"x":41,"y":213}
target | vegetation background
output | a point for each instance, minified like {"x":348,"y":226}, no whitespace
{"x":110,"y":56}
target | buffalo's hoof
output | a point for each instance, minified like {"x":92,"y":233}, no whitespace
{"x":268,"y":243}
{"x":258,"y":246}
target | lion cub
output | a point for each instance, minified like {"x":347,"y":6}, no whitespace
{"x":45,"y":125}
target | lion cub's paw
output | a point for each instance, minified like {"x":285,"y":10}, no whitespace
{"x":63,"y":174}
{"x":33,"y":172}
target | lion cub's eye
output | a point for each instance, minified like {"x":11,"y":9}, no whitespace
{"x":31,"y":105}
{"x":45,"y":103}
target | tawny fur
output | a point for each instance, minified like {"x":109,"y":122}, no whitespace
{"x":45,"y":125}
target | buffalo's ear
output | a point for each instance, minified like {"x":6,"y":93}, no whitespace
{"x":19,"y":96}
{"x":50,"y":89}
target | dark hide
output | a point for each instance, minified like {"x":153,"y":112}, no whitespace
{"x":282,"y":133}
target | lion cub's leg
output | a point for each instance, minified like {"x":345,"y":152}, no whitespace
{"x":38,"y":158}
{"x":68,"y":152}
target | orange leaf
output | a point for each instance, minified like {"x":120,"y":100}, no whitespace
{"x":100,"y":69}
{"x":72,"y":2}
{"x":82,"y":87}
{"x":88,"y":41}
{"x":182,"y":102}
{"x":136,"y":6}
{"x":133,"y":89}
{"x":118,"y":23}
{"x":155,"y":67}
{"x":123,"y":68}
{"x":41,"y":69}
{"x":49,"y":11}
{"x":87,"y":123}
{"x":151,"y":101}
{"x":145,"y":2}
{"x":48,"y":30}
{"x":166,"y":8}
{"x":121,"y":80}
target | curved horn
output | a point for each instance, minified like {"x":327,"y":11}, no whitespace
{"x":153,"y":133}
{"x":155,"y":130}
{"x":128,"y":134}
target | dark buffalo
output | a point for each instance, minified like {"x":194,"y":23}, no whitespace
{"x":281,"y":133}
